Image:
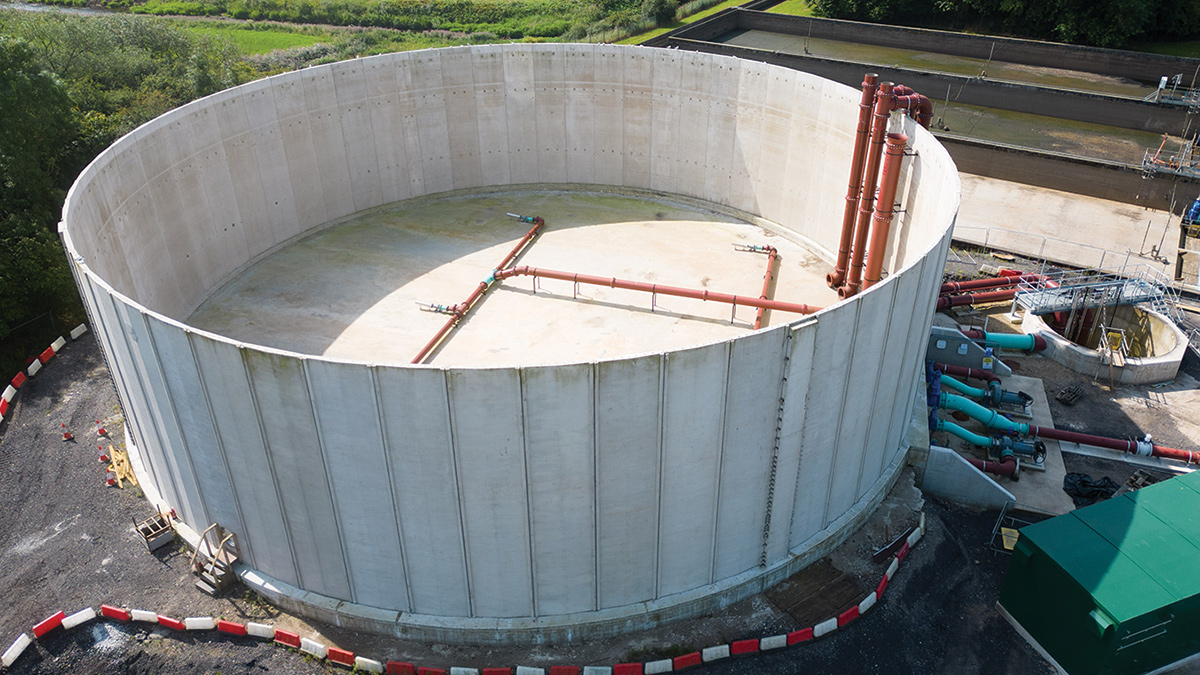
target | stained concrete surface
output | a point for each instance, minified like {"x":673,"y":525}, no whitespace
{"x":354,"y":291}
{"x":1064,"y":227}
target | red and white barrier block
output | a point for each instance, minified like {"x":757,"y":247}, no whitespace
{"x":342,"y":657}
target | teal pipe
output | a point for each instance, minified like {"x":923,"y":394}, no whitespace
{"x":963,"y":388}
{"x":990,"y":418}
{"x":1028,"y":343}
{"x":968,"y":436}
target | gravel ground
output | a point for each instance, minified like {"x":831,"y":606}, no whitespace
{"x":68,"y":542}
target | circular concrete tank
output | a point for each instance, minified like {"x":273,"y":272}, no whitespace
{"x":1154,"y":347}
{"x":515,"y":503}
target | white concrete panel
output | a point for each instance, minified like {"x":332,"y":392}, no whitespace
{"x":826,"y":391}
{"x":579,"y":89}
{"x":887,"y":395}
{"x":692,"y":427}
{"x":406,"y":111}
{"x":610,"y":113}
{"x":637,"y":115}
{"x":387,"y":125}
{"x":913,"y":368}
{"x":628,"y":400}
{"x":722,"y":115}
{"x":694,"y":107}
{"x":299,"y":159}
{"x":329,"y":147}
{"x":777,"y":128}
{"x":521,"y":114}
{"x":745,"y":162}
{"x":241,"y":170}
{"x":349,"y":426}
{"x":416,"y":418}
{"x":797,"y":370}
{"x":491,"y":115}
{"x":429,"y":106}
{"x":286,"y":412}
{"x":666,"y":125}
{"x":167,"y":445}
{"x":550,"y":105}
{"x":199,"y":436}
{"x":862,"y":381}
{"x":461,"y":117}
{"x":559,"y":440}
{"x":751,"y":414}
{"x":358,"y":133}
{"x":237,"y":420}
{"x":136,"y":404}
{"x":490,"y":448}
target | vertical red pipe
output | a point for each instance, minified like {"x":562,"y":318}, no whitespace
{"x":772,"y":254}
{"x":866,"y":197}
{"x":869,"y":86}
{"x":883,"y":208}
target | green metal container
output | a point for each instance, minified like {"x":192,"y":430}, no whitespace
{"x":1113,"y":587}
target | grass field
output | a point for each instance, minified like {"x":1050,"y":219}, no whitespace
{"x":642,"y":37}
{"x":793,"y":8}
{"x":257,"y":39}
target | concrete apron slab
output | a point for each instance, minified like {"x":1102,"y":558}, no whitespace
{"x":1062,"y":227}
{"x":1040,"y":491}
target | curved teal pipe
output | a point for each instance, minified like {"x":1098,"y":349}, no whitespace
{"x":962,"y":388}
{"x":968,"y":436}
{"x":990,"y":418}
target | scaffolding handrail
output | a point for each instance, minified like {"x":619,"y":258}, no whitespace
{"x":1134,"y":284}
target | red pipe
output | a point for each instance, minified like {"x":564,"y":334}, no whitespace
{"x":866,"y":197}
{"x":881,"y":226}
{"x":1133,"y":447}
{"x":655,"y":288}
{"x":460,"y":310}
{"x":909,"y":100}
{"x":869,"y":86}
{"x":994,"y":282}
{"x":963,"y":371}
{"x":1005,"y":468}
{"x":948,"y":301}
{"x":772,"y":255}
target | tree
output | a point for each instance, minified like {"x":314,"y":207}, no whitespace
{"x":662,"y":11}
{"x":39,"y":124}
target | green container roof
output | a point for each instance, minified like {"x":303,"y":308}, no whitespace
{"x":1134,"y":553}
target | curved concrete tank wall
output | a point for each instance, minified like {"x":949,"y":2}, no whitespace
{"x":521,"y":504}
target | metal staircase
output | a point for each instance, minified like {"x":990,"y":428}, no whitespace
{"x":213,"y":560}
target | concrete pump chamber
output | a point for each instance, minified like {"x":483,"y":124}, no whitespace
{"x":523,"y":504}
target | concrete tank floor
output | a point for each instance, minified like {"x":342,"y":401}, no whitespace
{"x":351,"y":291}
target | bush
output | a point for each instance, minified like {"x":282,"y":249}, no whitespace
{"x":662,"y":11}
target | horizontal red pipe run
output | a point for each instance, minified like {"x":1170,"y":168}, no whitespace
{"x":1114,"y":444}
{"x":995,"y":282}
{"x":963,"y":371}
{"x":948,"y":301}
{"x":655,"y":288}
